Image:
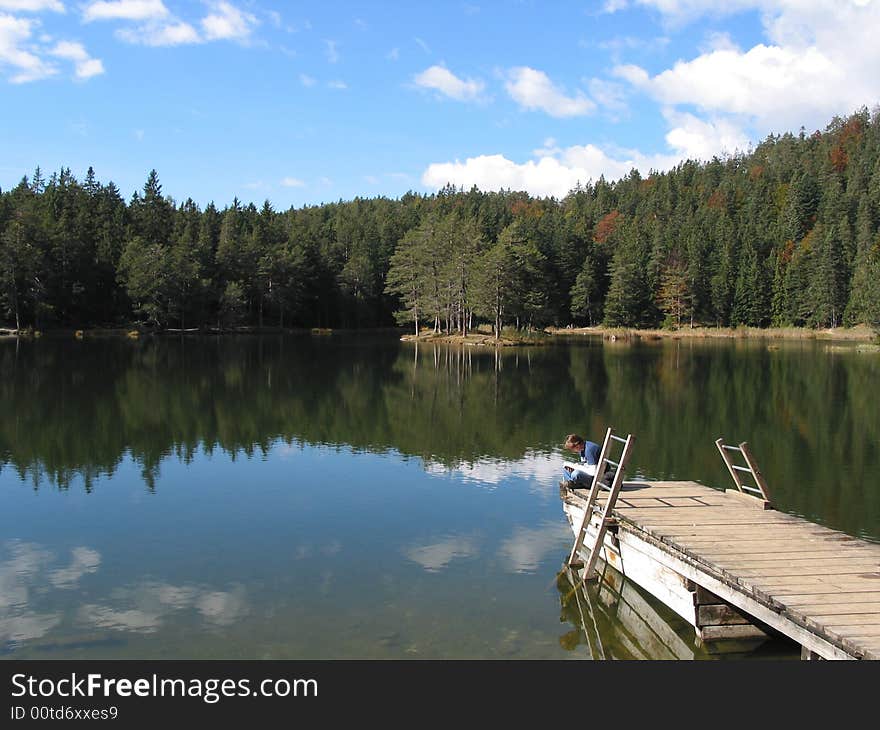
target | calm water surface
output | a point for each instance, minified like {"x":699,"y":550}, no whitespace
{"x":312,"y":497}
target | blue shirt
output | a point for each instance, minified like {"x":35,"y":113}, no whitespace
{"x":590,"y":454}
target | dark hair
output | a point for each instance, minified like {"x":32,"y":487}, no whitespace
{"x":573,"y":440}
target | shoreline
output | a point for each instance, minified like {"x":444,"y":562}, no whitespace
{"x":477,"y":339}
{"x":134,"y":332}
{"x":860,"y":333}
{"x":846,"y":334}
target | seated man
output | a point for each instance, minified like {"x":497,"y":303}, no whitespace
{"x":589,"y":453}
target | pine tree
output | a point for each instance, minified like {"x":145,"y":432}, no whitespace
{"x":674,"y":296}
{"x":827,"y":288}
{"x":749,"y":298}
{"x":585,"y":294}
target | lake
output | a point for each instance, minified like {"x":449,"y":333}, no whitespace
{"x":352,"y":496}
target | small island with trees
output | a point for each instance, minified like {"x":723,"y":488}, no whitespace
{"x":786,"y":236}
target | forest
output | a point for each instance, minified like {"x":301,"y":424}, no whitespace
{"x":786,"y":234}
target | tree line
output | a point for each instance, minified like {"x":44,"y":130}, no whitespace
{"x":787,"y":234}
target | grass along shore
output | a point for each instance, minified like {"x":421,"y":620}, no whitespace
{"x":850,"y":334}
{"x":483,"y":336}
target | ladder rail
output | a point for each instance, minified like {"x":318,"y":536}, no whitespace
{"x":604,"y":521}
{"x":756,"y":472}
{"x":591,"y":500}
{"x":760,"y":489}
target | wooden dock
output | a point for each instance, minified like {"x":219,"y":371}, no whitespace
{"x":711,"y":556}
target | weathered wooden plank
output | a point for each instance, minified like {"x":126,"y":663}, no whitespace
{"x":767,"y":612}
{"x":855,"y":568}
{"x":739,"y":530}
{"x":708,"y":509}
{"x":690,"y":502}
{"x":743,"y":531}
{"x":701,"y":515}
{"x":755,"y":501}
{"x":702,"y":596}
{"x":802,"y":599}
{"x":844,"y":608}
{"x":826,"y":561}
{"x":775,"y":547}
{"x":752,"y":546}
{"x":687,"y":501}
{"x":729,"y":523}
{"x":803,"y":584}
{"x":704,"y":516}
{"x":720,"y":615}
{"x":843,"y":622}
{"x":742,"y":631}
{"x":854,"y":633}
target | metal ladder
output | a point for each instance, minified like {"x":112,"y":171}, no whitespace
{"x":759,"y":490}
{"x":591,"y":508}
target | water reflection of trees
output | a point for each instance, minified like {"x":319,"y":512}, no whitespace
{"x":75,"y":409}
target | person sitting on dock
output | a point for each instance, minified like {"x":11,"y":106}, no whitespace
{"x":588,"y":452}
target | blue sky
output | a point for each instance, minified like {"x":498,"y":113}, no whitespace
{"x":302,"y":103}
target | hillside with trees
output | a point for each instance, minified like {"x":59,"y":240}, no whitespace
{"x":787,"y":234}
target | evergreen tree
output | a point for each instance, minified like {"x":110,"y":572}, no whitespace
{"x":585,"y":294}
{"x":827,"y":287}
{"x":749,"y":298}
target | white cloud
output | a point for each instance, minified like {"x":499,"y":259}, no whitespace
{"x":162,"y":34}
{"x":549,"y":148}
{"x":32,"y":6}
{"x":820,"y":59}
{"x":548,"y":175}
{"x":83,"y":560}
{"x":84,"y":64}
{"x":224,"y":21}
{"x":539,"y":467}
{"x":447,"y":83}
{"x":681,"y":11}
{"x":25,"y":573}
{"x":393,"y":54}
{"x":222,"y":607}
{"x":337,"y":84}
{"x":770,"y":83}
{"x":437,"y":555}
{"x":124,"y":10}
{"x":698,"y":139}
{"x":292,"y":182}
{"x":15,"y":52}
{"x":532,"y":89}
{"x":609,"y":96}
{"x":544,"y":177}
{"x":144,"y":607}
{"x":636,"y":75}
{"x":331,"y":51}
{"x":227,"y":22}
{"x":306,"y":80}
{"x":528,"y":547}
{"x":421,"y":44}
